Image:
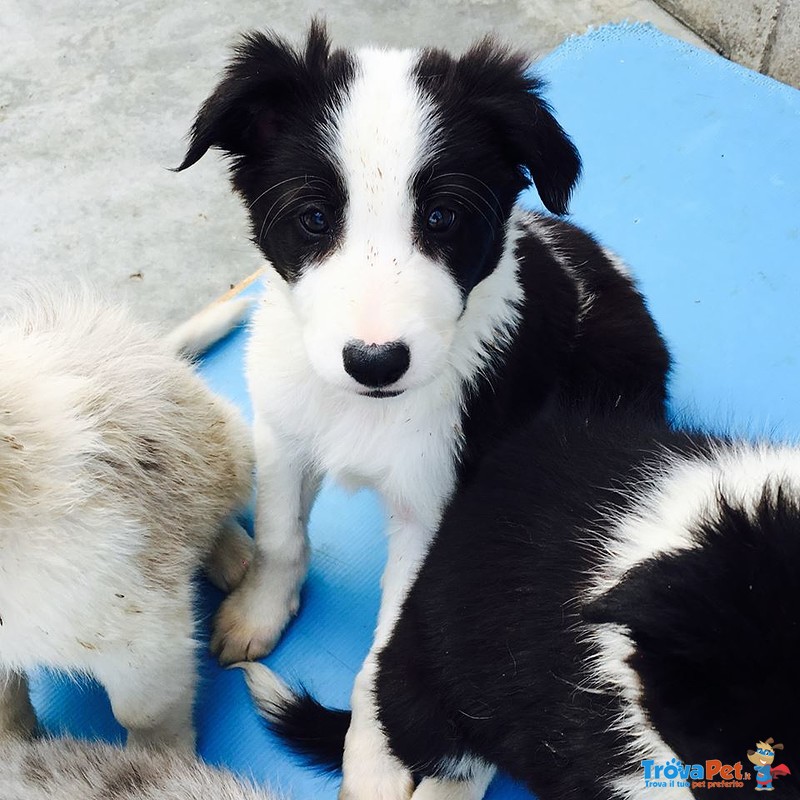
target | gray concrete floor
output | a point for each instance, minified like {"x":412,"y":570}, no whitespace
{"x":761,"y":34}
{"x":96,"y":97}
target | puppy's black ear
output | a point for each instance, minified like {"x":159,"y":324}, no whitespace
{"x":510,"y":97}
{"x":260,"y":86}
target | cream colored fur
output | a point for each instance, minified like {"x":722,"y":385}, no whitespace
{"x":65,"y":769}
{"x":120,"y":475}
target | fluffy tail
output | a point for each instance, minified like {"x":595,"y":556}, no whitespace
{"x":312,"y":731}
{"x":207,"y":327}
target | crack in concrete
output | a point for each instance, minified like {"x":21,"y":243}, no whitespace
{"x":766,"y":54}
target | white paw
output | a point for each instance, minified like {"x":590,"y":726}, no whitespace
{"x":377,"y":781}
{"x":370,"y":771}
{"x":251,"y":620}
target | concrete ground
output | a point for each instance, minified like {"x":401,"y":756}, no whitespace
{"x":96,"y":98}
{"x":761,"y":34}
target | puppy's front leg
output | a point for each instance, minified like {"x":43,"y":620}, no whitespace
{"x":251,"y":619}
{"x":17,"y":717}
{"x":369,"y":770}
{"x":472,"y":788}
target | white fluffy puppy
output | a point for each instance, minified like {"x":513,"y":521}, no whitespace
{"x":120,"y":475}
{"x":65,"y":769}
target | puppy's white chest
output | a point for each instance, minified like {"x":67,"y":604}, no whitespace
{"x":406,"y":447}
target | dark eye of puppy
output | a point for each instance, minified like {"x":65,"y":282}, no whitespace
{"x":296,"y":215}
{"x":441,"y":219}
{"x":461,"y":220}
{"x":314,"y":221}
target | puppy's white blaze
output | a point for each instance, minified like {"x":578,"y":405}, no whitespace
{"x":377,"y":286}
{"x":385,"y":131}
{"x":684,"y":495}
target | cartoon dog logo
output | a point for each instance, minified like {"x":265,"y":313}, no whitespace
{"x":762,"y":758}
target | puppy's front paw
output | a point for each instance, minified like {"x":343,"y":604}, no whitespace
{"x":250,"y":621}
{"x":377,"y":781}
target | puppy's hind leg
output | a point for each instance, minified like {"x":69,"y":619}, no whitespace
{"x":152,"y":684}
{"x":17,"y":717}
{"x":233,"y":551}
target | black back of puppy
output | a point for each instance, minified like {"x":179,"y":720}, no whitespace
{"x":585,"y":336}
{"x":717,"y":635}
{"x":491,"y":657}
{"x":487,"y":656}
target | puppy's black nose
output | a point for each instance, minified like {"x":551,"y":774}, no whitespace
{"x":376,"y":365}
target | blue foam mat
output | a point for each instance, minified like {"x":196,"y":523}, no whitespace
{"x":692,"y":175}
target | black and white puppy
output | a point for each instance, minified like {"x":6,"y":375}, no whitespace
{"x":603,"y":597}
{"x":412,"y":310}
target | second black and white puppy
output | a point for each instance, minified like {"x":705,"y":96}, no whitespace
{"x":626,"y":598}
{"x":412,"y":310}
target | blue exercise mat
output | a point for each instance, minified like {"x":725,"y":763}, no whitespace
{"x":693,"y":177}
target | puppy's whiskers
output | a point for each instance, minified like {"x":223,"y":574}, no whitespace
{"x":467,"y":202}
{"x":496,"y":205}
{"x":294,"y":202}
{"x":273,"y":187}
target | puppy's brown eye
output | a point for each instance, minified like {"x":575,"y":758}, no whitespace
{"x":440,"y":219}
{"x":314,"y":221}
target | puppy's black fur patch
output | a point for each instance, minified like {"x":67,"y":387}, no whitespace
{"x":585,"y":336}
{"x":494,"y":661}
{"x":495,"y":134}
{"x":268,"y":115}
{"x":491,"y":656}
{"x":717,"y":633}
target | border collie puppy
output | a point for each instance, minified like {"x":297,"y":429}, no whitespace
{"x":66,"y":769}
{"x":120,"y":474}
{"x":604,"y":593}
{"x":412,"y":310}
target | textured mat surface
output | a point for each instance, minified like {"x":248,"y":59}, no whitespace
{"x":692,"y":175}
